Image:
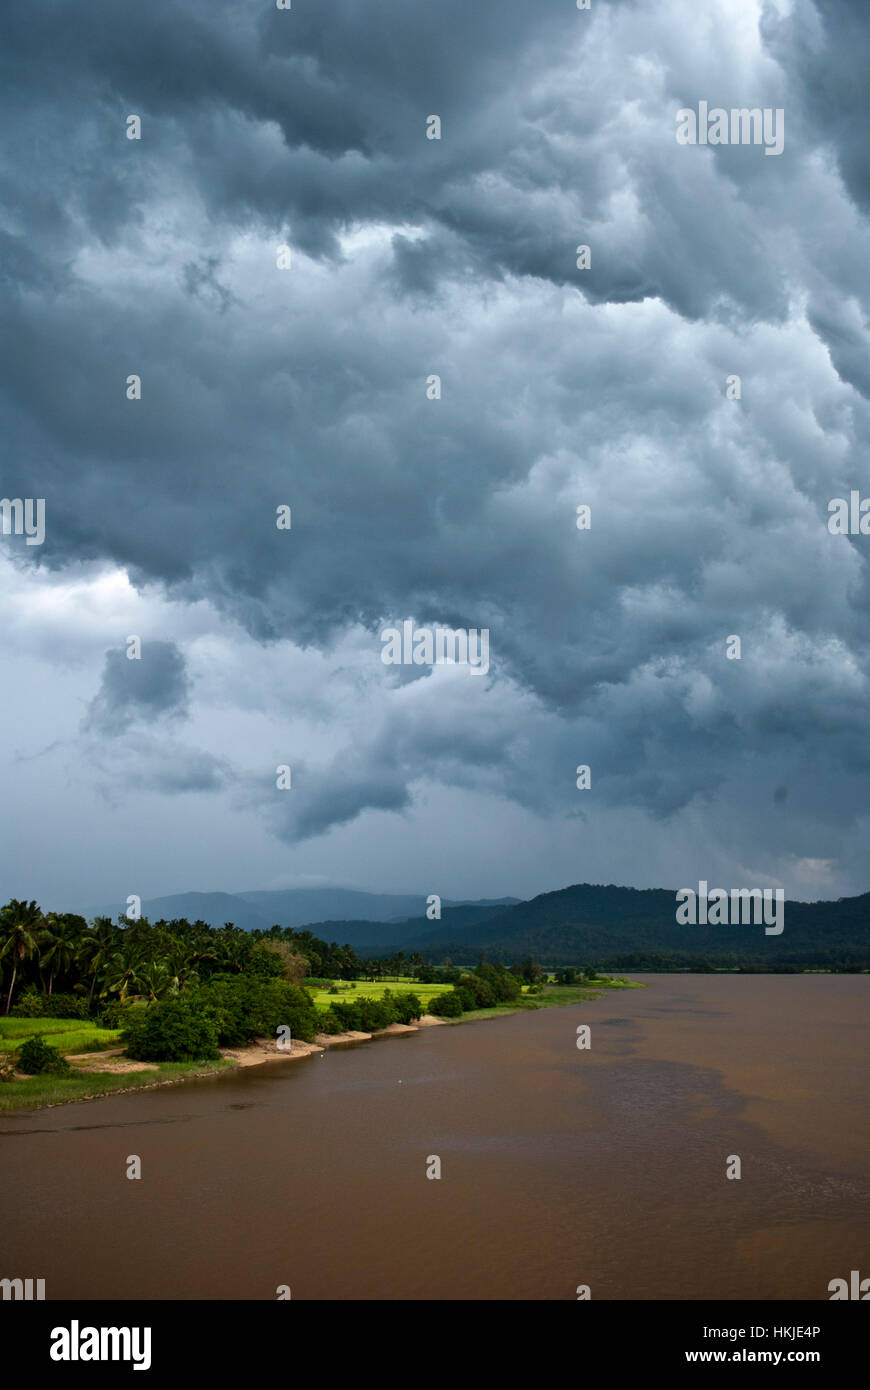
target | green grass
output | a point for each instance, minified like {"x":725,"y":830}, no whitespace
{"x":517,"y":1007}
{"x":368,"y":989}
{"x":66,"y":1034}
{"x":552,"y":996}
{"x":46,"y":1089}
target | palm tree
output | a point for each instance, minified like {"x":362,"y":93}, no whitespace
{"x":123,"y":974}
{"x":21,"y":922}
{"x":156,"y":979}
{"x":181,"y":965}
{"x":97,"y":948}
{"x":61,"y":945}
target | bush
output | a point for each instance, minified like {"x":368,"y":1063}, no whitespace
{"x":406,"y":1007}
{"x":447,"y":1005}
{"x":243,"y":1007}
{"x":479,"y":990}
{"x":505,"y":987}
{"x":36,"y":1056}
{"x":32,"y":1004}
{"x":172,"y":1030}
{"x":363,"y":1015}
{"x":266,"y":963}
{"x":111,"y":1014}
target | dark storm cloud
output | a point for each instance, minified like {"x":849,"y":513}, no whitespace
{"x":139,"y":690}
{"x":158,"y":258}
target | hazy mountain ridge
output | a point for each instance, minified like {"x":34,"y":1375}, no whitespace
{"x":301,"y":907}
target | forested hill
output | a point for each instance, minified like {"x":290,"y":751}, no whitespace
{"x":383,"y":938}
{"x":605,"y":924}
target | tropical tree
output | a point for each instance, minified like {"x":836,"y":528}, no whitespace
{"x":123,"y":974}
{"x":156,"y":979}
{"x":58,"y":944}
{"x":96,"y":949}
{"x":20,"y":924}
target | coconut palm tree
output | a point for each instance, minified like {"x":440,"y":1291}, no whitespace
{"x":96,"y":949}
{"x":156,"y":979}
{"x":123,"y":974}
{"x":58,"y":943}
{"x":20,"y":924}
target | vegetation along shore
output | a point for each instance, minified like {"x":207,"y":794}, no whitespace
{"x":100,"y":1008}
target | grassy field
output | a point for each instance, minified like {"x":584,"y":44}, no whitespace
{"x":46,"y":1089}
{"x":73,"y":1035}
{"x":66,"y":1034}
{"x":368,"y":989}
{"x":552,"y":996}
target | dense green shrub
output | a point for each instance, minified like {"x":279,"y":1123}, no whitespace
{"x":480,"y":990}
{"x":172,"y":1030}
{"x":446,"y":1005}
{"x":266,"y":963}
{"x":36,"y":1055}
{"x":114,"y":1013}
{"x":244,"y":1007}
{"x":505,"y":986}
{"x":364,"y":1015}
{"x":32,"y":1004}
{"x":406,"y":1007}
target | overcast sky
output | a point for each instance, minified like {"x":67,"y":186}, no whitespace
{"x":306,"y":386}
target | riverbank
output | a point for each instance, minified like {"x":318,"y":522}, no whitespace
{"x":110,"y":1072}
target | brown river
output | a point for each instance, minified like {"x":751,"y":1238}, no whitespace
{"x":559,"y":1167}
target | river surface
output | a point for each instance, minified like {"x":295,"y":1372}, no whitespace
{"x":559,"y":1167}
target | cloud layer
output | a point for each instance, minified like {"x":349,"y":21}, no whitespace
{"x":305,"y":387}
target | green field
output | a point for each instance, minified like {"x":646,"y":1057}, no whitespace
{"x":374,"y":989}
{"x":46,"y":1089}
{"x":66,"y":1034}
{"x":552,"y":996}
{"x":74,"y":1035}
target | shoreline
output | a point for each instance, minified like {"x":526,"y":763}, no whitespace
{"x":258,"y":1052}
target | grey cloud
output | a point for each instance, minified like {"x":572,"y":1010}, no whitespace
{"x":139,"y":690}
{"x":560,"y":387}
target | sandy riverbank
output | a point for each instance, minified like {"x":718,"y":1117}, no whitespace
{"x":113,"y":1061}
{"x":393,"y":1030}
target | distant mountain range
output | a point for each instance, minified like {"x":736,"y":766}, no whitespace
{"x":600,"y":924}
{"x":344,"y":908}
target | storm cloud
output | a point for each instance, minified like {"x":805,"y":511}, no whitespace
{"x":306,"y":387}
